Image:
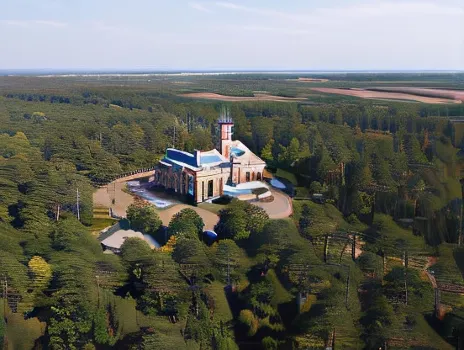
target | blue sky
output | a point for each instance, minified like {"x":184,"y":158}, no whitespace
{"x":253,"y":34}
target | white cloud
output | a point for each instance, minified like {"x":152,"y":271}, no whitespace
{"x":385,"y":8}
{"x":51,"y":23}
{"x":288,"y":31}
{"x":199,"y":7}
{"x":378,"y":8}
{"x":104,"y":27}
{"x":231,"y":5}
{"x":29,"y":23}
{"x":13,"y":23}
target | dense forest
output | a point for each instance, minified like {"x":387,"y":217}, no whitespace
{"x":389,"y":173}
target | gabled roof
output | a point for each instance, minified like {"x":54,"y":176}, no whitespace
{"x":117,"y":239}
{"x":190,"y":161}
{"x":244,"y":155}
{"x":181,"y":158}
{"x":212,"y":158}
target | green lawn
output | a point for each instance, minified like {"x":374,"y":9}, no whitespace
{"x":395,"y":238}
{"x":214,"y":208}
{"x":452,"y":299}
{"x":171,"y":333}
{"x":281,"y":295}
{"x":126,"y":315}
{"x":99,"y":224}
{"x":446,"y":269}
{"x":326,"y":218}
{"x":287,"y":176}
{"x":222,"y":310}
{"x":21,"y":333}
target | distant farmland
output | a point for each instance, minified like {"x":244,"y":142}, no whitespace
{"x":435,"y":96}
{"x":256,"y":97}
{"x":439,"y":93}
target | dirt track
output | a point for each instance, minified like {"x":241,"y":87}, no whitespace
{"x":438,"y":93}
{"x":210,"y":219}
{"x":385,"y":95}
{"x":257,"y":97}
{"x":312,"y":80}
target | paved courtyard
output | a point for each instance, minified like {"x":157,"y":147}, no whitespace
{"x":280,"y":208}
{"x":104,"y":196}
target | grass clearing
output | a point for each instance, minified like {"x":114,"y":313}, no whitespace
{"x":212,"y":207}
{"x":452,"y":299}
{"x":101,"y":219}
{"x":21,"y":333}
{"x":326,"y":218}
{"x":446,"y":269}
{"x":222,"y":310}
{"x":126,"y":314}
{"x":99,"y":224}
{"x":395,"y":237}
{"x":287,"y":176}
{"x":281,"y":295}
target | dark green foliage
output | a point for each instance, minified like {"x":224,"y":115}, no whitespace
{"x":57,"y":136}
{"x":228,"y":258}
{"x":248,"y":319}
{"x":370,"y":263}
{"x":223,"y":200}
{"x":199,"y":326}
{"x":377,"y":321}
{"x":240,"y":220}
{"x":270,"y":344}
{"x":135,"y":249}
{"x":189,"y":251}
{"x":186,"y":223}
{"x":144,"y":219}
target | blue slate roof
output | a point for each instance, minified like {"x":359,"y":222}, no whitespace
{"x":237,"y":151}
{"x":181,"y":156}
{"x":211,"y":158}
{"x":177,"y":158}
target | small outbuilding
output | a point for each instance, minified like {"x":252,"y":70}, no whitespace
{"x":318,"y":198}
{"x":114,"y":237}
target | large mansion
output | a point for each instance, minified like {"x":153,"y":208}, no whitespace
{"x":203,"y":175}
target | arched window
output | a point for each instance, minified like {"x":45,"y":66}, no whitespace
{"x":258,"y":177}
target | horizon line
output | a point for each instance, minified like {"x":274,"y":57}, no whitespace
{"x":61,"y":71}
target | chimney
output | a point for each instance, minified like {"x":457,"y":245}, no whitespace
{"x":197,"y":155}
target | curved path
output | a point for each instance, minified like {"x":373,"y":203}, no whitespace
{"x":210,"y":219}
{"x":280,"y":208}
{"x":104,"y":196}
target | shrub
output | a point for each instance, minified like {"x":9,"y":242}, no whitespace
{"x":223,"y":200}
{"x":248,"y":318}
{"x":258,"y":191}
{"x":270,"y":343}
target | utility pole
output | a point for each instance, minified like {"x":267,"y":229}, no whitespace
{"x":347,"y":288}
{"x":460,"y":227}
{"x":353,"y":248}
{"x":5,"y":302}
{"x":228,"y":269}
{"x":384,"y":260}
{"x":5,"y":295}
{"x":406,"y":285}
{"x":174,"y":138}
{"x":98,"y":290}
{"x":77,"y":205}
{"x":326,"y":247}
{"x":437,"y":302}
{"x":333,"y":339}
